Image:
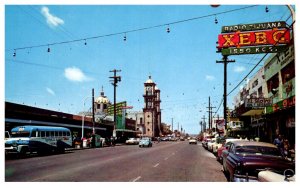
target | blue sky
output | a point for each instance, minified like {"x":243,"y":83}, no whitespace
{"x":181,"y":62}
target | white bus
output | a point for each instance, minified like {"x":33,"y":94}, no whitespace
{"x":41,"y":139}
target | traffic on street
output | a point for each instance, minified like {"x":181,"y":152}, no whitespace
{"x":164,"y":162}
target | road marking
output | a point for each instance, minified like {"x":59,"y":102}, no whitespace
{"x":166,"y":158}
{"x":136,"y":179}
{"x":173,"y":153}
{"x":156,"y":165}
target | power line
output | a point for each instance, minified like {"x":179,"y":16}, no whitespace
{"x":131,"y":31}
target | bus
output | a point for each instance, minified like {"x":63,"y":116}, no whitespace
{"x":40,"y":139}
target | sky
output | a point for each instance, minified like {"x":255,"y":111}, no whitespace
{"x":86,"y":42}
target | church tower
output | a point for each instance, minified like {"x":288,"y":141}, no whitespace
{"x":152,"y":113}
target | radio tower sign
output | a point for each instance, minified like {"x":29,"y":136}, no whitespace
{"x":269,"y":37}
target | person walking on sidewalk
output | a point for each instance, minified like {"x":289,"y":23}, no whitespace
{"x":279,"y":143}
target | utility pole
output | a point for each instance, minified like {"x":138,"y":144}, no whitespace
{"x":172,"y":125}
{"x":209,"y":114}
{"x":225,"y":61}
{"x":203,"y":124}
{"x":93,"y":109}
{"x":115,"y":80}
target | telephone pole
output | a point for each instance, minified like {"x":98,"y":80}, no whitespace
{"x":209,"y":114}
{"x":203,"y":124}
{"x":93,"y":110}
{"x":225,"y":61}
{"x":115,"y":80}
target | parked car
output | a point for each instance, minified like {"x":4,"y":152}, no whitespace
{"x":245,"y":158}
{"x":132,"y":141}
{"x":219,"y":142}
{"x":145,"y":141}
{"x":270,"y":175}
{"x":192,"y":141}
{"x":7,"y":135}
{"x":210,"y":144}
{"x":205,"y":144}
{"x":225,"y":146}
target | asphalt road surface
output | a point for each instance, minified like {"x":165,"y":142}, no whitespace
{"x":164,"y":162}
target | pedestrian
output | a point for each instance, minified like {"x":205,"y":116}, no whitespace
{"x":279,"y":143}
{"x":286,"y":147}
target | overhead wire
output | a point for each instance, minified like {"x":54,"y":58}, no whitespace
{"x":131,"y":31}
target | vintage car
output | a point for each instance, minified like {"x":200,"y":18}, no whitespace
{"x":145,"y":141}
{"x":192,"y":141}
{"x":245,"y":158}
{"x":210,"y":144}
{"x":225,"y":146}
{"x":270,"y":175}
{"x":132,"y":141}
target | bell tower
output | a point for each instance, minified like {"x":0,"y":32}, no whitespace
{"x":149,"y":107}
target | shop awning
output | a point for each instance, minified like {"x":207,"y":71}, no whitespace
{"x":127,"y":130}
{"x":253,"y":112}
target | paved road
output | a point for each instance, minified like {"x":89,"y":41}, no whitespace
{"x":164,"y":162}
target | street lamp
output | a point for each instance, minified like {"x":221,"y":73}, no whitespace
{"x":82,"y":126}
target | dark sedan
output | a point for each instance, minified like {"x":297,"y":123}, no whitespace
{"x":245,"y":158}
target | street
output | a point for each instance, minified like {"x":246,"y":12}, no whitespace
{"x":164,"y":162}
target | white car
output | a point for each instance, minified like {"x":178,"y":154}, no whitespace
{"x":210,"y":144}
{"x":270,"y":176}
{"x":134,"y":141}
{"x":215,"y":147}
{"x":192,"y":141}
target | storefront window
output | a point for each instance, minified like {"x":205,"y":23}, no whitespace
{"x":273,"y":83}
{"x":288,"y":72}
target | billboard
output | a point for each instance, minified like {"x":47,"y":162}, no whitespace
{"x":254,"y":38}
{"x":269,"y":37}
{"x":119,"y":106}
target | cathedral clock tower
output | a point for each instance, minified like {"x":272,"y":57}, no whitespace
{"x":149,"y":108}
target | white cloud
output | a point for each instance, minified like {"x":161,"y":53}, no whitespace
{"x":239,"y":69}
{"x":52,"y":20}
{"x":50,"y":91}
{"x":209,"y":77}
{"x":74,"y":74}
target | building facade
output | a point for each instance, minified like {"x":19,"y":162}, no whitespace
{"x":271,"y":92}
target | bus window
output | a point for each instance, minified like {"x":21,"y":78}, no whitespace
{"x":68,"y":134}
{"x":64,"y":133}
{"x":43,"y":134}
{"x":33,"y":134}
{"x":52,"y":133}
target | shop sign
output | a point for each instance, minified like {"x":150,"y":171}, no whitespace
{"x":253,"y":27}
{"x":220,"y":125}
{"x":290,"y":102}
{"x":258,"y":102}
{"x":119,"y":106}
{"x":254,"y":38}
{"x":253,"y":50}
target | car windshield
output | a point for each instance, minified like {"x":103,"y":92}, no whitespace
{"x":257,"y":150}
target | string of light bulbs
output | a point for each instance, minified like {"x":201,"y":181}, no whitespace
{"x":129,"y":31}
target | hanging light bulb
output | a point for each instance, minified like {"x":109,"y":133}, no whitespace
{"x":168,"y":29}
{"x":125,"y":37}
{"x":14,"y":55}
{"x":48,"y":49}
{"x":267,"y":9}
{"x":216,"y":21}
{"x":85,"y":42}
